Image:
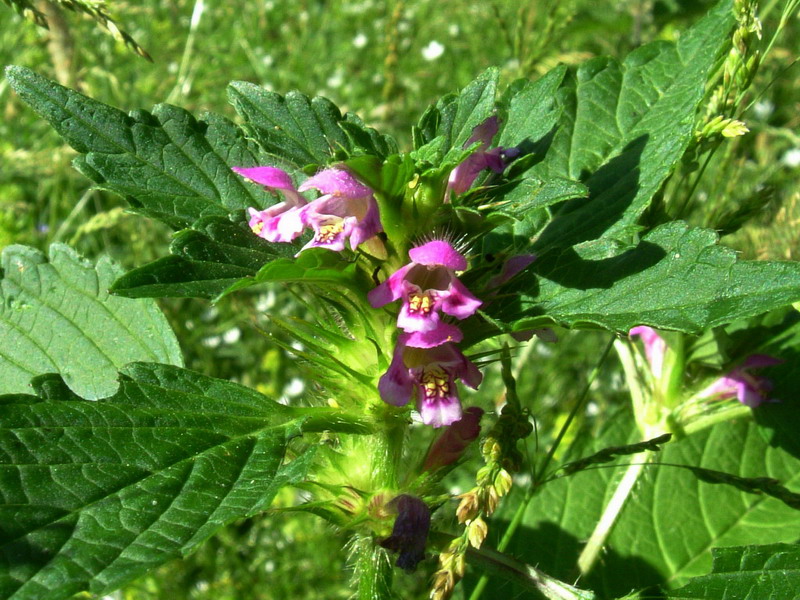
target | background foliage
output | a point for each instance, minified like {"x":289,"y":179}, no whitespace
{"x":383,"y":61}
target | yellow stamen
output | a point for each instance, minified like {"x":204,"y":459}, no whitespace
{"x":435,"y":383}
{"x":420,"y":303}
{"x":327,"y":233}
{"x":258,"y":227}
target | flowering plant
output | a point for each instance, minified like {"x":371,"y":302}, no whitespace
{"x":419,"y":277}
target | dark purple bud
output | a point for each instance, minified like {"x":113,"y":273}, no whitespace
{"x":410,"y":531}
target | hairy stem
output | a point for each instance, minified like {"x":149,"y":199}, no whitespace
{"x":605,"y":525}
{"x":374,"y":571}
{"x":526,"y":575}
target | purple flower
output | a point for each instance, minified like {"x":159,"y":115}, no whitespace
{"x":347,"y":210}
{"x":654,"y":347}
{"x":428,"y":285}
{"x":464,"y":175}
{"x":432,"y":373}
{"x":449,"y":446}
{"x":281,"y":222}
{"x":751,"y":390}
{"x":410,"y":530}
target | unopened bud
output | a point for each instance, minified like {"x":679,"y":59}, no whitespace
{"x":468,"y":508}
{"x":491,"y":500}
{"x":502,"y":482}
{"x":449,"y":446}
{"x":734,"y":128}
{"x":476,"y":532}
{"x":491,"y":449}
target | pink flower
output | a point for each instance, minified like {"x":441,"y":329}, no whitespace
{"x":281,"y":222}
{"x":432,"y":373}
{"x":428,"y":285}
{"x":347,"y":210}
{"x":654,"y":347}
{"x":449,"y":446}
{"x":751,"y":390}
{"x":464,"y":175}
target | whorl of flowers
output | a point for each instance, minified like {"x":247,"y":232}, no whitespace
{"x":426,"y":361}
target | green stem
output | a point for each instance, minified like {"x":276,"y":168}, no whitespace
{"x":374,"y":571}
{"x":319,"y":419}
{"x":507,"y":535}
{"x":526,"y":575}
{"x":578,"y":406}
{"x":523,"y":505}
{"x":602,"y":530}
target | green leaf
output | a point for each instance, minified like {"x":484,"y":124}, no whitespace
{"x":302,"y":130}
{"x":670,"y":520}
{"x":96,"y":493}
{"x":532,"y":110}
{"x":206,"y":259}
{"x":167,"y":164}
{"x":676,"y":278}
{"x":315,"y":265}
{"x":447,"y":126}
{"x":56,"y":316}
{"x":521,"y":196}
{"x":748,"y":573}
{"x":625,"y":126}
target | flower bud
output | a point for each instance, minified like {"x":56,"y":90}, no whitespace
{"x":450,"y":446}
{"x":502,"y":482}
{"x":476,"y":532}
{"x":469,"y":507}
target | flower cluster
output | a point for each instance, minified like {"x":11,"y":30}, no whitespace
{"x":427,"y":360}
{"x":748,"y":388}
{"x":346,"y":210}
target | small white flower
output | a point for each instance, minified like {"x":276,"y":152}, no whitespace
{"x":295,"y":387}
{"x":763,"y":109}
{"x":211,"y":342}
{"x":432,"y":51}
{"x":267,"y":60}
{"x":335,"y":81}
{"x":360,"y":40}
{"x":453,"y":30}
{"x":265,"y":301}
{"x":791,"y":158}
{"x":232,"y":335}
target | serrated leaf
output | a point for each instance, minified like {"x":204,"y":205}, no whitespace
{"x":96,"y":493}
{"x":624,"y":127}
{"x":167,"y":164}
{"x":56,"y":316}
{"x":676,"y":278}
{"x":303,"y":130}
{"x":670,"y":521}
{"x":770,"y":572}
{"x":532,"y":110}
{"x":206,"y":259}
